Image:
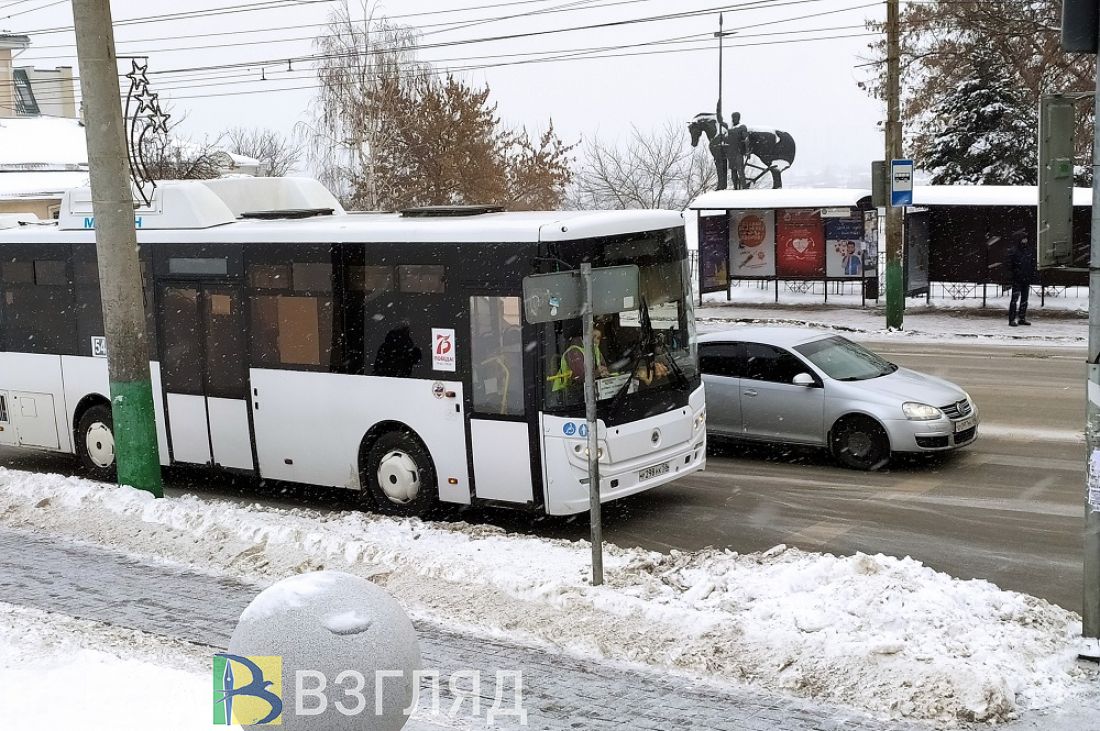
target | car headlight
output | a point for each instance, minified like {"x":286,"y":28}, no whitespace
{"x":920,"y":412}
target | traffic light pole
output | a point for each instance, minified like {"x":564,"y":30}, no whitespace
{"x":895,"y":295}
{"x":135,"y":435}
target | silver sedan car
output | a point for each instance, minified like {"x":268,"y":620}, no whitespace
{"x":800,"y":386}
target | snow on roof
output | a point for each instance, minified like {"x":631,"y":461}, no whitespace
{"x":770,"y":335}
{"x":42,"y":143}
{"x":38,"y":185}
{"x":211,"y":204}
{"x":987,"y":195}
{"x":780,"y":198}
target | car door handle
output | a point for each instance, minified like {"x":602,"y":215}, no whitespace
{"x":750,"y":392}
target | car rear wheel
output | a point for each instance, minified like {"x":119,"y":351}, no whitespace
{"x":861,"y":443}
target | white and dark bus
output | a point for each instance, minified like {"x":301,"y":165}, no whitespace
{"x":385,"y":353}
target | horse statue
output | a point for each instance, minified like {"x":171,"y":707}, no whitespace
{"x":708,"y":123}
{"x":769,"y":153}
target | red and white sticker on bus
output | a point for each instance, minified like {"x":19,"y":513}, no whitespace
{"x":443,"y":349}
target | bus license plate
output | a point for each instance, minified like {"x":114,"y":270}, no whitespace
{"x":655,"y":471}
{"x":965,"y":424}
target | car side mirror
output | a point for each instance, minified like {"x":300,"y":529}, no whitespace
{"x":804,"y":379}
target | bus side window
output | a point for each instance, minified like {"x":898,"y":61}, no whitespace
{"x":291,"y":315}
{"x":496,"y":353}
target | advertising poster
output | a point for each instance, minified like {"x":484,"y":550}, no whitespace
{"x":752,"y":243}
{"x":844,"y":247}
{"x":713,"y":253}
{"x":800,"y":238}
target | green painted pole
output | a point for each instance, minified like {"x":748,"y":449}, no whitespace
{"x":136,"y":455}
{"x":895,"y":285}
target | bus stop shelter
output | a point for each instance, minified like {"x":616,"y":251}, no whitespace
{"x":787,"y":234}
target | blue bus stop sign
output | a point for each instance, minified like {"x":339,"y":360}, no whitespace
{"x":901,"y":183}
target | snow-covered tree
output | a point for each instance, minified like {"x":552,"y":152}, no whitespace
{"x":983,"y":131}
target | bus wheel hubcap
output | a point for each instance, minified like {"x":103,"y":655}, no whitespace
{"x":399,"y":477}
{"x":101,"y":445}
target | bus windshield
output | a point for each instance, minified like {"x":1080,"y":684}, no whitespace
{"x":647,"y":348}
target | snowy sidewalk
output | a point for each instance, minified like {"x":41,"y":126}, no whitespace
{"x":921,"y":324}
{"x":559,"y":692}
{"x":888,"y":636}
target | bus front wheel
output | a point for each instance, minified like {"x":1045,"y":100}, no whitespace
{"x":399,"y":477}
{"x":95,"y":442}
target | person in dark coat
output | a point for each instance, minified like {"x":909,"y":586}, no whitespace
{"x":1021,"y":267}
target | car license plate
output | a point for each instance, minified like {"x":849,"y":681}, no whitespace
{"x":964,"y":424}
{"x":655,"y":471}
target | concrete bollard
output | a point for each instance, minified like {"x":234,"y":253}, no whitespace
{"x":343,"y":642}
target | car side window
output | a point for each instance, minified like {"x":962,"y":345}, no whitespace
{"x":769,"y":363}
{"x":721,"y":359}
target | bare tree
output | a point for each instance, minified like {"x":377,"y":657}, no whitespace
{"x":657,"y":169}
{"x":170,"y":156}
{"x":277,"y":155}
{"x":361,"y":63}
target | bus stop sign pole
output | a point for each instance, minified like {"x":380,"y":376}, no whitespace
{"x":567,"y":296}
{"x":593,"y":438}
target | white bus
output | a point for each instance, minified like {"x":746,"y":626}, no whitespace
{"x":385,"y":353}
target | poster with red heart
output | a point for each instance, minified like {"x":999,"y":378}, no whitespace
{"x":800,"y":244}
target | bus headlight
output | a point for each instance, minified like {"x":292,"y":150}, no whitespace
{"x":700,"y":420}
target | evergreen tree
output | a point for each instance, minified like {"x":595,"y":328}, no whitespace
{"x":984,"y":131}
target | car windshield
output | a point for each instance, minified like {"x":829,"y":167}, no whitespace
{"x":843,"y":360}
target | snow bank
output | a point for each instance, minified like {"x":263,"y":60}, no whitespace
{"x":62,"y":673}
{"x":888,"y":635}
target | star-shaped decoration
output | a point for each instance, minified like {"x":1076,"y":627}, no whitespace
{"x":137,"y":75}
{"x":158,"y":121}
{"x":147,"y":101}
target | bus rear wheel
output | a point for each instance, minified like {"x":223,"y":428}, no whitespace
{"x":399,"y":477}
{"x":95,"y":443}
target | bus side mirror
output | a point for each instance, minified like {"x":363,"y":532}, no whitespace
{"x":803,"y":379}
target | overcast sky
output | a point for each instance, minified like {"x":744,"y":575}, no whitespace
{"x":775,"y":74}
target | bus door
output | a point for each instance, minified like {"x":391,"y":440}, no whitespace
{"x":203,"y":355}
{"x":498,"y":421}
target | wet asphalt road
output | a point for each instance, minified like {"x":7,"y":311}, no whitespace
{"x":1008,"y":509}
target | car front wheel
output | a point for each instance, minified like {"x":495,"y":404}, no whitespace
{"x":861,"y":443}
{"x":95,"y":442}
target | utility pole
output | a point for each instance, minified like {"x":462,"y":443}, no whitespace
{"x":135,"y":433}
{"x":1090,"y":615}
{"x":895,"y":294}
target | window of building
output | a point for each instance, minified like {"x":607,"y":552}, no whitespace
{"x":370,"y":279}
{"x":25,"y":103}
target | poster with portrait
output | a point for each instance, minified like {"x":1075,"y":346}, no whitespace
{"x":752,"y":243}
{"x":844,"y":247}
{"x":870,"y":238}
{"x":800,"y":244}
{"x":713,"y":253}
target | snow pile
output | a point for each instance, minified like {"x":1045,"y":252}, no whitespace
{"x":62,"y":673}
{"x":888,"y":635}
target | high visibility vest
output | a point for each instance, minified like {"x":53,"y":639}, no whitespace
{"x":564,"y":375}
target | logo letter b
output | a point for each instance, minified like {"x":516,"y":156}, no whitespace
{"x":317,"y":691}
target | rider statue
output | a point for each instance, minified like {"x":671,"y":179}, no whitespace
{"x":737,"y":150}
